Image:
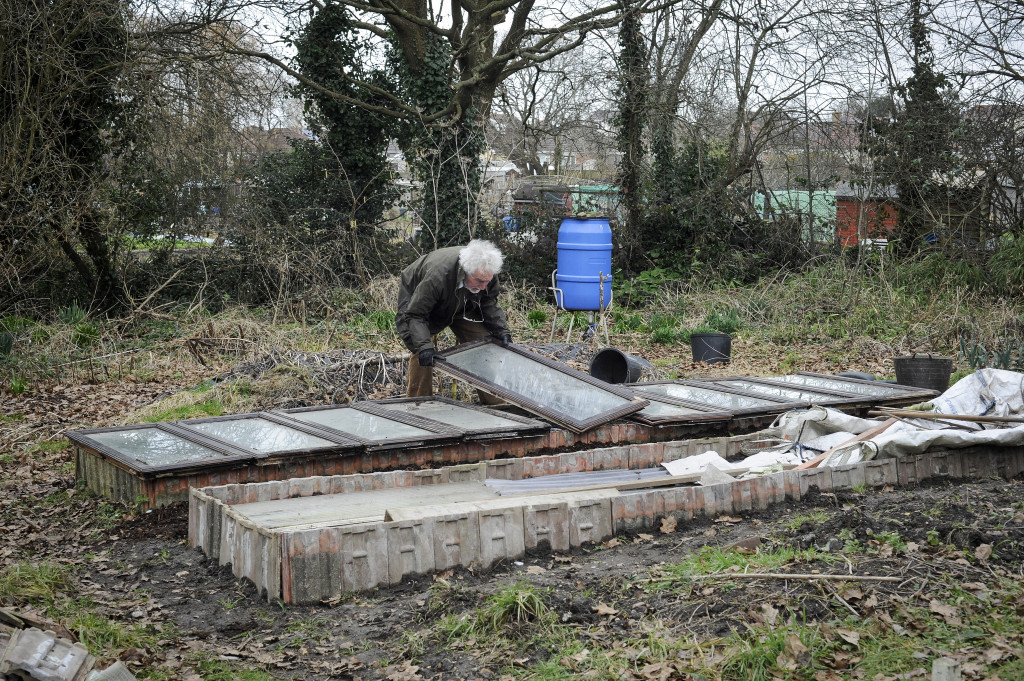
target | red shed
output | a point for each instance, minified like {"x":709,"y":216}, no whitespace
{"x":877,"y":206}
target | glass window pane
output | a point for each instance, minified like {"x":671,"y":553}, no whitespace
{"x":261,"y":435}
{"x":549,"y":387}
{"x":665,"y":410}
{"x":706,"y":396}
{"x":778,"y":393}
{"x":880,"y":390}
{"x":466,"y":418}
{"x":154,"y":447}
{"x":367,"y":426}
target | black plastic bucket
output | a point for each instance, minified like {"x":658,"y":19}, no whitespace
{"x":612,"y":365}
{"x":712,"y":348}
{"x":924,"y":371}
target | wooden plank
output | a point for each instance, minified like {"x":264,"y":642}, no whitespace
{"x":866,"y":435}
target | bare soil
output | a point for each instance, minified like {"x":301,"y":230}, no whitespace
{"x":140,"y":570}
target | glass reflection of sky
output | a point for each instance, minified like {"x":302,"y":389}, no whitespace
{"x":556,"y":391}
{"x":261,"y":435}
{"x":154,"y":447}
{"x":360,"y":423}
{"x":712,"y":398}
{"x":453,"y":415}
{"x":839,"y":384}
{"x":775,"y":392}
{"x":662,"y":410}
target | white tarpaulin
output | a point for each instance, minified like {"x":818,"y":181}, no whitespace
{"x":806,"y":433}
{"x":986,"y":392}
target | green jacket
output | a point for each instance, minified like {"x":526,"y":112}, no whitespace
{"x":429,"y":298}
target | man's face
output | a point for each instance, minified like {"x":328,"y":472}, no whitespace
{"x":478,"y":281}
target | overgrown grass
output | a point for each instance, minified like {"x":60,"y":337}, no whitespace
{"x":834,"y":310}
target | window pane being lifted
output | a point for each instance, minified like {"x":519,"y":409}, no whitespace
{"x":360,"y":423}
{"x":154,"y":447}
{"x":261,"y":435}
{"x":880,"y":390}
{"x":705,"y":396}
{"x":777,"y":393}
{"x":664,"y":410}
{"x":454,"y":415}
{"x":549,"y":387}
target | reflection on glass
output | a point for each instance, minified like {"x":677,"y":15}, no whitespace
{"x":261,"y":435}
{"x":367,"y":426}
{"x":840,"y":384}
{"x":154,"y":447}
{"x":776,"y":392}
{"x":707,"y":396}
{"x":664,"y":410}
{"x":466,"y":418}
{"x":556,"y":391}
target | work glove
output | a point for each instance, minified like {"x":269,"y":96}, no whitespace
{"x":504,"y":340}
{"x":427,"y":357}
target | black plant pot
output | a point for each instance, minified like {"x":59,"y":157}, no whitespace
{"x":712,"y":348}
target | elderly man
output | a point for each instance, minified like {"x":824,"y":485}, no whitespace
{"x":452,"y":287}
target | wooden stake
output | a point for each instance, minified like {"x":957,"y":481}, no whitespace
{"x":934,"y":416}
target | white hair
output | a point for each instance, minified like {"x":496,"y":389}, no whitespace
{"x":480,"y":256}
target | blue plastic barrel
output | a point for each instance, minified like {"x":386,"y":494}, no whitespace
{"x":584,"y":254}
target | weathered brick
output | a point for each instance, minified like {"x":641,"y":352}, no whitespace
{"x":634,"y":511}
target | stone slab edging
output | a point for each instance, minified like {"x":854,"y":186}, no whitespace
{"x":317,"y":564}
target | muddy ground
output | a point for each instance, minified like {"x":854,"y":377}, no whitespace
{"x":143,"y":571}
{"x":137,"y":569}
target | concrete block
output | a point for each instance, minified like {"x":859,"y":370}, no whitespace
{"x":434,"y":476}
{"x":790,"y":485}
{"x":538,"y":466}
{"x":502,"y":534}
{"x":505,"y":469}
{"x":611,"y":457}
{"x":676,"y":449}
{"x":365,"y":553}
{"x":410,"y":548}
{"x":975,"y":464}
{"x":682,"y":503}
{"x":456,"y":538}
{"x":946,"y":464}
{"x":305,"y":569}
{"x":645,"y":455}
{"x":775,"y":488}
{"x":225,"y":553}
{"x":848,"y":476}
{"x":1004,"y":462}
{"x":43,"y":656}
{"x":546,"y":523}
{"x":742,"y":492}
{"x":574,"y":462}
{"x":590,"y":521}
{"x":634,"y":511}
{"x":815,"y":478}
{"x":909,"y":469}
{"x":467,"y":472}
{"x":880,"y":473}
{"x":717,"y":500}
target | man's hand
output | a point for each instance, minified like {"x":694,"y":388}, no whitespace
{"x":427,"y":357}
{"x":504,"y":340}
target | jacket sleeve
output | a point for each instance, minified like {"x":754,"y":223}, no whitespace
{"x":494,"y":316}
{"x":413,"y":315}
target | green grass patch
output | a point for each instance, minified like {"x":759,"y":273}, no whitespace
{"x":815,"y":517}
{"x":188,"y":411}
{"x":711,"y":560}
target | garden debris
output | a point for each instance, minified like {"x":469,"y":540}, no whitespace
{"x":45,"y":656}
